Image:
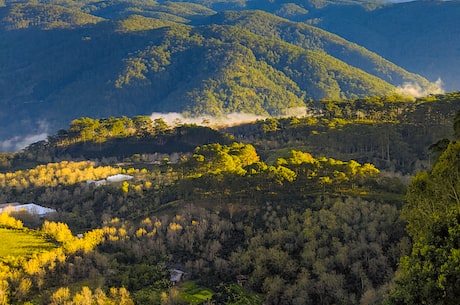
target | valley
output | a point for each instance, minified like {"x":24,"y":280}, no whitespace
{"x":229,"y":152}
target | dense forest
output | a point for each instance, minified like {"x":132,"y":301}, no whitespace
{"x":259,"y":213}
{"x":128,"y":58}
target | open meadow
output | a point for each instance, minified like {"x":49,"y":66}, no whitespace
{"x":22,"y":243}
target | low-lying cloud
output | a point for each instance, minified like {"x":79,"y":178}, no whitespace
{"x":415,"y":90}
{"x":19,"y":142}
{"x":232,"y":119}
{"x":228,"y":120}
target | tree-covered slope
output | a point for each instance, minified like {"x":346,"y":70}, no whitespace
{"x":75,"y":58}
{"x":119,"y":9}
{"x":237,"y":71}
{"x":292,"y":6}
{"x":421,"y":36}
{"x":23,"y":16}
{"x":313,"y":38}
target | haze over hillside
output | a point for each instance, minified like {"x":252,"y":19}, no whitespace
{"x":67,"y":59}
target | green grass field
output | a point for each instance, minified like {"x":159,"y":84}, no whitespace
{"x":194,"y":295}
{"x":21,"y":243}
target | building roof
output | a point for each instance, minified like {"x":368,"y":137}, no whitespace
{"x":31,"y":208}
{"x":118,"y":178}
{"x":176,"y":275}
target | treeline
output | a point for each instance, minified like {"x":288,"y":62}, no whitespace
{"x":390,"y":132}
{"x":54,"y":174}
{"x":431,"y":109}
{"x":115,"y":140}
{"x":217,"y":170}
{"x":213,"y":172}
{"x":100,"y":130}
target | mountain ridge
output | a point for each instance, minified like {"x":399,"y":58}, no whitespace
{"x":314,"y":38}
{"x":86,"y":65}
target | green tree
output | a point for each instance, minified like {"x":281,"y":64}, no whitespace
{"x":236,"y":295}
{"x":431,"y":274}
{"x":143,"y":126}
{"x":116,"y":127}
{"x":270,"y":124}
{"x":217,"y":158}
{"x":160,"y":126}
{"x":432,"y":194}
{"x":299,"y":157}
{"x":84,"y":128}
{"x":246,"y":153}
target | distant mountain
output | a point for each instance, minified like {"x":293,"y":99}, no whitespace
{"x":71,"y":59}
{"x":313,"y":38}
{"x":271,"y":5}
{"x":421,"y":36}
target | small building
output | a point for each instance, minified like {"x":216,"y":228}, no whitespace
{"x":176,"y":276}
{"x":241,"y":279}
{"x":118,"y":178}
{"x":31,"y":208}
{"x":110,"y":179}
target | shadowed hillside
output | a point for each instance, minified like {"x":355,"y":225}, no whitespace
{"x":126,"y":58}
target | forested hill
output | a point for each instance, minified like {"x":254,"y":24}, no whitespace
{"x":314,"y":38}
{"x":259,"y":222}
{"x":396,"y":135}
{"x":421,"y":36}
{"x":72,"y":59}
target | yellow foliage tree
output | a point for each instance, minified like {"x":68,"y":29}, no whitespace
{"x":57,"y":230}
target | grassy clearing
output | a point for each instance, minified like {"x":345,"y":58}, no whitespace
{"x":194,"y":295}
{"x":22,"y":243}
